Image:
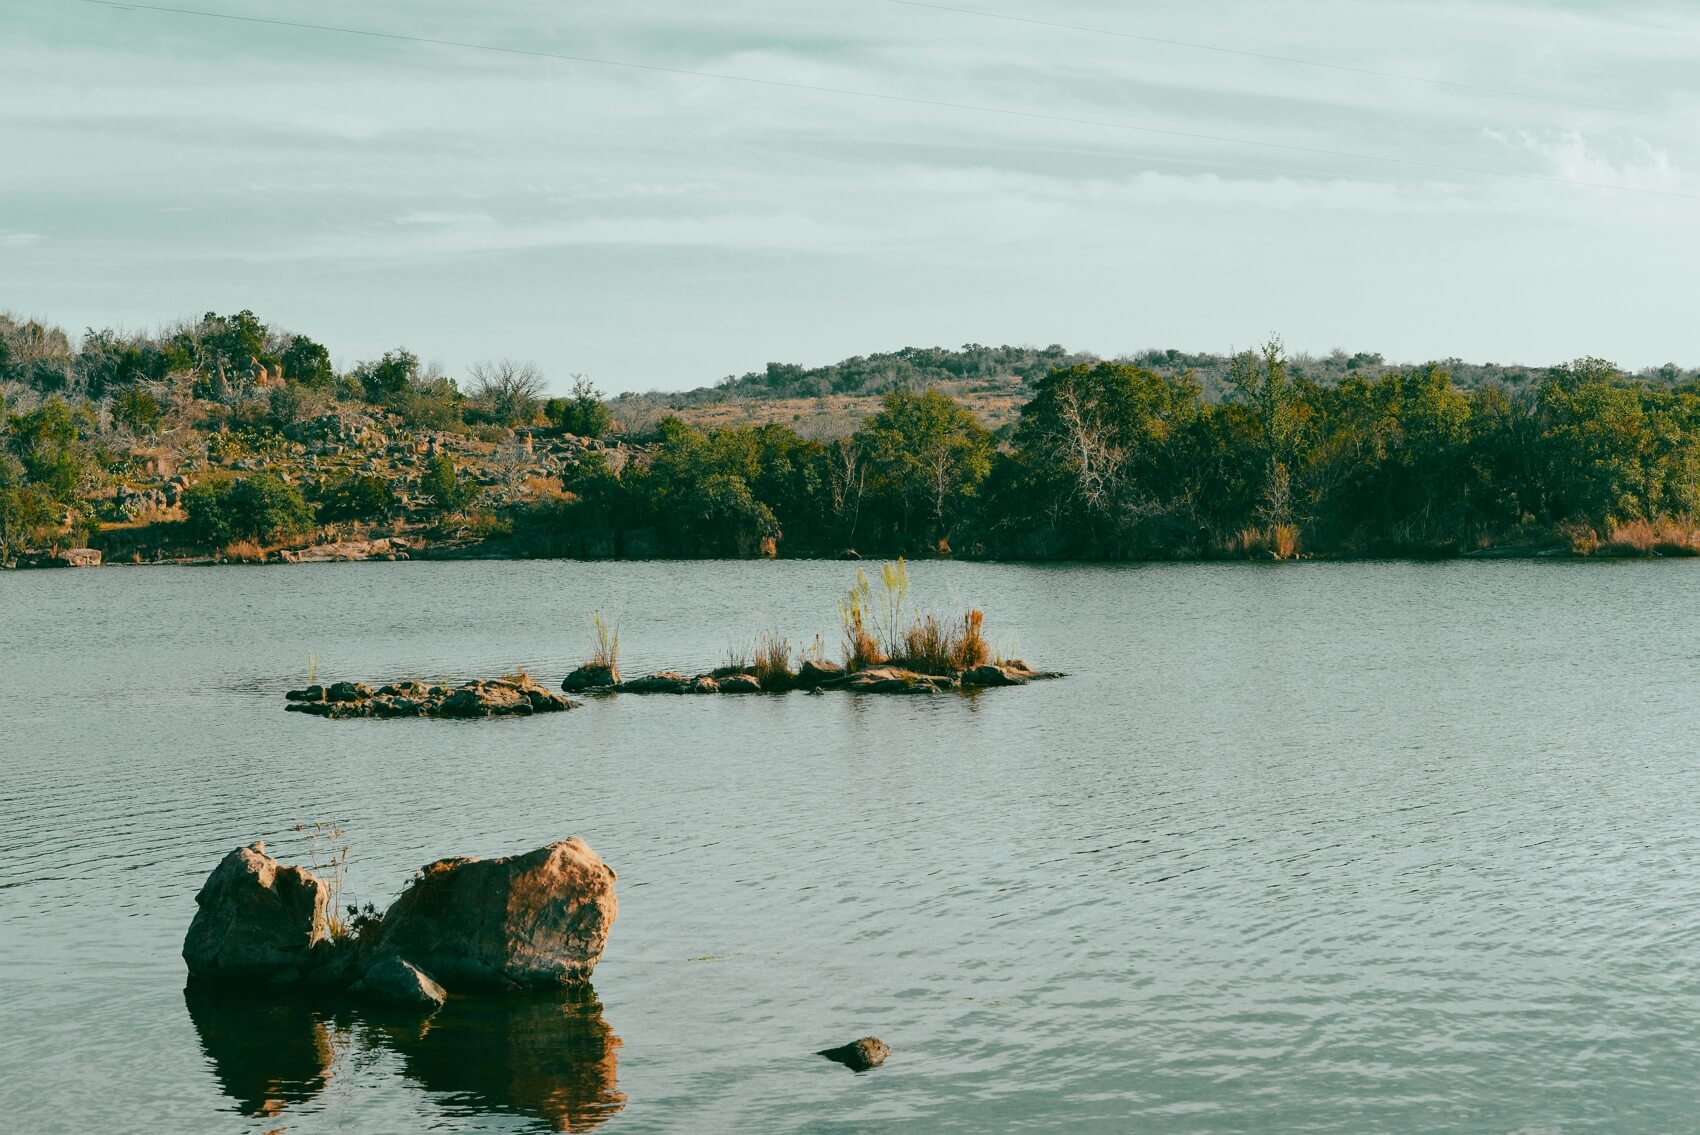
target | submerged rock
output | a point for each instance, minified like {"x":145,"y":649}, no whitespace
{"x":859,"y":1055}
{"x":400,"y":983}
{"x":489,"y":697}
{"x":591,"y":676}
{"x":256,"y":920}
{"x":532,"y":920}
{"x":895,"y":680}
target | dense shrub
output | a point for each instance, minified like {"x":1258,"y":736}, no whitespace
{"x":258,"y":507}
{"x":356,"y":497}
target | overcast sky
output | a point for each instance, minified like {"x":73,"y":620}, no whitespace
{"x":657,"y":229}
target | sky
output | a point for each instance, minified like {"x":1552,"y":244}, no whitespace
{"x":1014,"y":182}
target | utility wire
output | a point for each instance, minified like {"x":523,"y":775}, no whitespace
{"x":1192,"y":45}
{"x":911,"y":100}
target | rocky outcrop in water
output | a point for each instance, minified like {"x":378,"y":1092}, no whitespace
{"x":538,"y":920}
{"x":526,"y":921}
{"x":859,"y":1055}
{"x":257,"y":919}
{"x":486,"y":697}
{"x":591,"y":676}
{"x":814,"y":675}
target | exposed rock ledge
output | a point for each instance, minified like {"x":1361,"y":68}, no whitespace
{"x":486,"y":697}
{"x":812,"y":676}
{"x":531,"y":921}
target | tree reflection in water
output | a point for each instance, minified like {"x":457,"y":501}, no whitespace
{"x":553,"y":1059}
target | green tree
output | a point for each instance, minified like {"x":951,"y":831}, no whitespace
{"x":927,"y":456}
{"x":585,"y":414}
{"x":356,"y":497}
{"x":443,"y":484}
{"x":306,"y":362}
{"x":1096,"y":446}
{"x":385,"y":378}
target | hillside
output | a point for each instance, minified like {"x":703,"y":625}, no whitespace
{"x":994,"y":382}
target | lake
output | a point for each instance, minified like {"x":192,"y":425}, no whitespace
{"x":1298,"y":848}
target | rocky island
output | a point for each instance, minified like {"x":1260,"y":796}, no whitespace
{"x":533,"y":921}
{"x":513,"y":696}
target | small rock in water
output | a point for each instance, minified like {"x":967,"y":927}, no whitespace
{"x":401,"y":983}
{"x":859,"y":1055}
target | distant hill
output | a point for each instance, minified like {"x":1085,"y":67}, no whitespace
{"x":994,"y":382}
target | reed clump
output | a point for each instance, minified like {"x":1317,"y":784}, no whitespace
{"x":861,"y":645}
{"x":1665,"y":536}
{"x":606,"y":652}
{"x":771,"y":662}
{"x":883,"y":630}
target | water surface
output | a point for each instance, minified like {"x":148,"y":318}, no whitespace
{"x":1315,"y":848}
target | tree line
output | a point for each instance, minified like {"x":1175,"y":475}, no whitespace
{"x":1139,"y":458}
{"x":1114,"y":460}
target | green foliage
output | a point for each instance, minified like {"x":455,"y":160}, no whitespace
{"x":384,"y":379}
{"x":585,"y":414}
{"x":927,"y":456}
{"x":307,"y":362}
{"x":137,"y":410}
{"x":258,"y":507}
{"x":431,"y":402}
{"x":356,"y":497}
{"x":443,"y":484}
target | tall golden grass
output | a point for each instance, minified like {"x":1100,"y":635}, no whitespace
{"x":772,"y":662}
{"x":607,"y":649}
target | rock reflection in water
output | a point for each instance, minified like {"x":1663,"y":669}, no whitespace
{"x":549,"y":1058}
{"x":552,"y":1058}
{"x":267,"y":1052}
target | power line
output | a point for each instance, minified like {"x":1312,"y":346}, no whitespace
{"x":911,"y":100}
{"x":1192,"y":45}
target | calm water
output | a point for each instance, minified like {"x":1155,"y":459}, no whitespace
{"x":1338,"y":848}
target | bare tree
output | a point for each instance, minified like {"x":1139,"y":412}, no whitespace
{"x":508,"y":390}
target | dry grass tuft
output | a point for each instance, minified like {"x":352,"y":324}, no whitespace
{"x":971,"y":648}
{"x":861,"y":647}
{"x":245,"y":552}
{"x":773,"y":662}
{"x":607,"y":651}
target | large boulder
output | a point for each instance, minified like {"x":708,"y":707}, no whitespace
{"x":740,"y":684}
{"x":992,"y":674}
{"x":818,"y":672}
{"x":533,"y":920}
{"x":257,"y":920}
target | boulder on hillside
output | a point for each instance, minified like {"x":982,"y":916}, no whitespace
{"x":591,"y":676}
{"x":256,"y":920}
{"x":534,"y":920}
